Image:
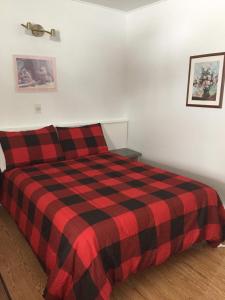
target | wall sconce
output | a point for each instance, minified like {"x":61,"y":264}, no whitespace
{"x":37,"y":30}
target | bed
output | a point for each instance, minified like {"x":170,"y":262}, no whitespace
{"x":95,"y":220}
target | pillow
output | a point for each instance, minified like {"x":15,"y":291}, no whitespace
{"x":82,"y":141}
{"x":23,"y":148}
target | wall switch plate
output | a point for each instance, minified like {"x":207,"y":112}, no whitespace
{"x":38,"y":108}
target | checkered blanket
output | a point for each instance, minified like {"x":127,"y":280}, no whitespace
{"x":95,"y":220}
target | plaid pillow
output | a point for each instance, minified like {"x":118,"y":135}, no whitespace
{"x":82,"y":141}
{"x":30,"y":147}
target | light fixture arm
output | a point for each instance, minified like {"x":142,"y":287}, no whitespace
{"x":37,"y":30}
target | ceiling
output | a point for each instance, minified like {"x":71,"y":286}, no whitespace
{"x":125,"y":5}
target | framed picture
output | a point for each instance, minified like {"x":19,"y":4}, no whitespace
{"x":206,"y":80}
{"x":35,"y":74}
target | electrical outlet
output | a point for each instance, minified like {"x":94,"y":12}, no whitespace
{"x":38,"y":108}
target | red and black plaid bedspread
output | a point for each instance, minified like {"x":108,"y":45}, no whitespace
{"x":94,"y":221}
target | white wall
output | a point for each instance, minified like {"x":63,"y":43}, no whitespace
{"x":161,"y":38}
{"x":90,"y":62}
{"x":91,"y":59}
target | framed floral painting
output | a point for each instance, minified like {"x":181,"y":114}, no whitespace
{"x":35,"y":74}
{"x":206,"y":80}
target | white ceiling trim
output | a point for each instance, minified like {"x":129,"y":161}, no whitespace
{"x":82,"y":2}
{"x":125,"y":8}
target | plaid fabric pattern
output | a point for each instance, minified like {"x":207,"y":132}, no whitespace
{"x":30,"y":147}
{"x":82,"y":141}
{"x":95,"y":220}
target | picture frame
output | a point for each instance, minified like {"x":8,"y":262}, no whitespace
{"x":206,"y":80}
{"x":35,"y":73}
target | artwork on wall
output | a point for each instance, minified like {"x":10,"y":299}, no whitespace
{"x":35,"y":74}
{"x":206,"y":80}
